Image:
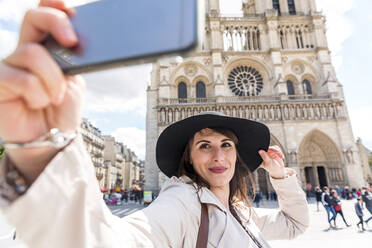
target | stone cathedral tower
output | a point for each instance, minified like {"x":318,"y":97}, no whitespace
{"x":271,"y":64}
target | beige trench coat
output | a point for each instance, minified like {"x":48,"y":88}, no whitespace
{"x":64,"y":208}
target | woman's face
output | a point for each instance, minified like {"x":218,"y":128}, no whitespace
{"x":213,"y":156}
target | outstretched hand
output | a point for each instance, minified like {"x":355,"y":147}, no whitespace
{"x":35,"y":95}
{"x":273,"y":162}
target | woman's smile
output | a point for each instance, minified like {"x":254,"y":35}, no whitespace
{"x":218,"y":169}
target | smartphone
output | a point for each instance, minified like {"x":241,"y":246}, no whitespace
{"x":114,"y":33}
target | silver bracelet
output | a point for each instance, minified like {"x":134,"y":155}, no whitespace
{"x":54,"y":138}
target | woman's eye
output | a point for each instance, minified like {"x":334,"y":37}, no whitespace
{"x":204,"y":146}
{"x":226,"y":144}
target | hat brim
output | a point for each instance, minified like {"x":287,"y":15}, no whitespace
{"x":252,"y":137}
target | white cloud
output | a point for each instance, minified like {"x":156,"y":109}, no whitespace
{"x":361,"y":120}
{"x":11,"y":10}
{"x":134,"y":138}
{"x":118,"y":90}
{"x":8,"y":42}
{"x":339,"y":27}
{"x":230,"y":6}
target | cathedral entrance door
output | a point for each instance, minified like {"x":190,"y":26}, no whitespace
{"x":309,"y":175}
{"x":322,"y":176}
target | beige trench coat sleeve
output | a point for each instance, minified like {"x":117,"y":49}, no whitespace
{"x":64,"y":208}
{"x":293,"y":217}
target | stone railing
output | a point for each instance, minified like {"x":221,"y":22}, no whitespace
{"x":240,"y":99}
{"x":238,"y":37}
{"x":260,"y":108}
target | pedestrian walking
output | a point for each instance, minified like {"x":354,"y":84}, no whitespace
{"x":336,"y":204}
{"x":367,"y":200}
{"x":318,"y":196}
{"x":359,"y":212}
{"x":207,"y":158}
{"x":257,"y":199}
{"x":326,"y":201}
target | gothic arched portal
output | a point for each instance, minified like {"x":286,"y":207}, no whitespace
{"x":320,"y":160}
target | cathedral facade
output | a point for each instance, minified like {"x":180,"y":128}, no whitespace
{"x":271,"y":64}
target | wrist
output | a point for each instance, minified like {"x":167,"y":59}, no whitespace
{"x":30,"y":158}
{"x":31,"y":162}
{"x":286,"y":172}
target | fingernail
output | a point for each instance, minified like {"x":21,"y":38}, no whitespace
{"x":70,"y":35}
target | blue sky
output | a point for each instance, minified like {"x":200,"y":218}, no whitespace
{"x":116,"y":99}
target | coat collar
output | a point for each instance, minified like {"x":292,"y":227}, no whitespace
{"x":205,"y":195}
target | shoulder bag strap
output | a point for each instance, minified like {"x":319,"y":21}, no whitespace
{"x":203,"y":228}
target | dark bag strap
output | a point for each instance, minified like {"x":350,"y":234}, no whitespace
{"x":203,"y":228}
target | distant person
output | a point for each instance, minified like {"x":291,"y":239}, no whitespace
{"x":336,"y":204}
{"x":367,"y":200}
{"x":326,"y":201}
{"x":257,"y":199}
{"x":347,"y":193}
{"x":318,"y":196}
{"x":359,"y":212}
{"x":309,"y":188}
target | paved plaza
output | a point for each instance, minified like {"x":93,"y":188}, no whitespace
{"x":318,"y":234}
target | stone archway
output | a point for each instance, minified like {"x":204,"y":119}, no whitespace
{"x":320,"y":161}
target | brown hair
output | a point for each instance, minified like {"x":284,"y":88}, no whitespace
{"x":238,"y":183}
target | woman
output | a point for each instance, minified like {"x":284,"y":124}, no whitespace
{"x":336,"y":204}
{"x":206,"y":156}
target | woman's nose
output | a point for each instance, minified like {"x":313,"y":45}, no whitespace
{"x":218,"y":155}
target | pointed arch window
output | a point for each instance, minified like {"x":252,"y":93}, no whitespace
{"x":200,"y":90}
{"x":276,"y":6}
{"x":182,"y":91}
{"x":291,"y":7}
{"x":290,"y":87}
{"x":307,"y":87}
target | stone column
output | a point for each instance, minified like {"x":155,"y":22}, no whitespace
{"x":151,"y":168}
{"x":283,"y":6}
{"x":312,"y":5}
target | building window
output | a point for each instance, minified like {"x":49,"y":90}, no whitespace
{"x":291,"y":7}
{"x":290,"y":88}
{"x":276,"y":6}
{"x":182,"y":91}
{"x":200,"y":90}
{"x":245,"y":81}
{"x":307,"y":87}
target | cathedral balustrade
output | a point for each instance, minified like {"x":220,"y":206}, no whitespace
{"x":239,"y":18}
{"x":241,"y":37}
{"x":296,"y":36}
{"x":171,"y":110}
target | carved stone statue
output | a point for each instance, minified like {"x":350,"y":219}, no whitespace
{"x":249,"y":7}
{"x":348,"y":153}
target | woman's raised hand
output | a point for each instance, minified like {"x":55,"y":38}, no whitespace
{"x":35,"y":96}
{"x":273,"y":162}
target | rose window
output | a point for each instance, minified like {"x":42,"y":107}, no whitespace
{"x":245,"y":81}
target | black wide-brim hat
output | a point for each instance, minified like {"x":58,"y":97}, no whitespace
{"x":252,"y":137}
